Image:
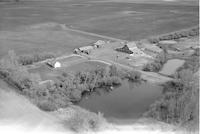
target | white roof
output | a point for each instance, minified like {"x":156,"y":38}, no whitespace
{"x":168,"y":42}
{"x":57,"y":64}
{"x":86,"y":48}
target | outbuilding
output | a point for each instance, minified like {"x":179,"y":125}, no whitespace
{"x":86,"y":49}
{"x":57,"y":64}
{"x":100,"y":42}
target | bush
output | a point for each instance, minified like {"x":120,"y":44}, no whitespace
{"x":75,"y":95}
{"x":179,"y":101}
{"x":157,"y":64}
{"x":85,"y":121}
{"x":153,"y":67}
{"x":32,"y":58}
{"x":192,"y":63}
{"x":109,"y":81}
{"x":176,"y":35}
{"x":133,"y":76}
{"x":113,"y":71}
{"x":46,"y":105}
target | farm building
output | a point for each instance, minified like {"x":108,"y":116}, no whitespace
{"x":57,"y":64}
{"x":124,"y":49}
{"x":76,"y":51}
{"x":53,"y":64}
{"x":85,"y":49}
{"x":99,"y":43}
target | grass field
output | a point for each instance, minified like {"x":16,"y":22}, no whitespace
{"x":118,"y":19}
{"x":40,"y":40}
{"x":123,"y":20}
{"x":86,"y":66}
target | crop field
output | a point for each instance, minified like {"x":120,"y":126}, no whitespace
{"x":123,"y":20}
{"x":37,"y":40}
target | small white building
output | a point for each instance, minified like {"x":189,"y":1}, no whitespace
{"x":57,"y":64}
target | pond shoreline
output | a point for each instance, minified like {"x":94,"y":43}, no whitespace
{"x":119,"y":103}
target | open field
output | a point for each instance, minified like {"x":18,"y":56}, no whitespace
{"x":64,"y":80}
{"x":122,"y":20}
{"x":23,"y":25}
{"x":40,"y":40}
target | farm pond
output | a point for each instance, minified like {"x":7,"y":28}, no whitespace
{"x":129,"y":101}
{"x":171,"y":66}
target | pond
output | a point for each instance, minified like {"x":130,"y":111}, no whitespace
{"x":128,"y":101}
{"x":171,"y":66}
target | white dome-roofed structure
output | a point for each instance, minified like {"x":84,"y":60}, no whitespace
{"x":57,"y":64}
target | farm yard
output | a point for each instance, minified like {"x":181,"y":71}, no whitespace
{"x":95,"y":65}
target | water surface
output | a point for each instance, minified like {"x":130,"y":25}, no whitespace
{"x":171,"y":66}
{"x":128,"y":101}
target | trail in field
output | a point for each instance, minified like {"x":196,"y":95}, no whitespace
{"x":94,"y":34}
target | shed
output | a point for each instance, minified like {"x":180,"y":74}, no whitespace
{"x":57,"y":64}
{"x":167,"y":43}
{"x":86,"y":49}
